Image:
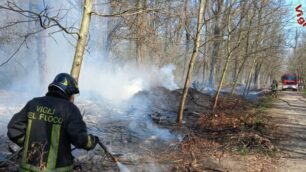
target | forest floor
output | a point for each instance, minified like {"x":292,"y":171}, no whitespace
{"x":237,"y":137}
{"x":283,"y":122}
{"x":241,"y":136}
{"x":264,"y":134}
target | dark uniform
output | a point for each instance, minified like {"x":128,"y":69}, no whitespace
{"x":46,"y":127}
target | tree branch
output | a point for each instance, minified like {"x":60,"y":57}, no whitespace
{"x":129,"y":12}
{"x":15,"y":52}
{"x":42,"y":17}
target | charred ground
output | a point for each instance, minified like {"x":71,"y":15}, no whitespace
{"x":238,"y":133}
{"x":238,"y":127}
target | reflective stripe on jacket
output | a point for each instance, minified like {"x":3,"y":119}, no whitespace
{"x":48,"y":126}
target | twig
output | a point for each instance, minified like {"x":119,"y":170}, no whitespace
{"x":15,"y":52}
{"x":125,"y":13}
{"x":42,"y":17}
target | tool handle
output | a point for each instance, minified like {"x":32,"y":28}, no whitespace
{"x":107,"y":151}
{"x":103,"y":147}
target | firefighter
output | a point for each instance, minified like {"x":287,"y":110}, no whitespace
{"x":47,"y":126}
{"x":274,"y":88}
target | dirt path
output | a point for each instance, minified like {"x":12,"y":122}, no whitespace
{"x":289,"y":113}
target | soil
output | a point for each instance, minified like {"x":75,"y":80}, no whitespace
{"x":289,"y":113}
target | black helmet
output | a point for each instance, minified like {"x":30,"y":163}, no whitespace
{"x":65,"y":83}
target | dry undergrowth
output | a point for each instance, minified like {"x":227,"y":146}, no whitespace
{"x":237,"y":129}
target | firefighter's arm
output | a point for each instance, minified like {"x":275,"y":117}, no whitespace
{"x":17,"y":126}
{"x":77,"y":131}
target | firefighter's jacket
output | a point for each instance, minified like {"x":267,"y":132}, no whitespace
{"x":46,"y":127}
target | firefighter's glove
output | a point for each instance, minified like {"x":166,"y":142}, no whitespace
{"x":92,"y":142}
{"x":20,"y":141}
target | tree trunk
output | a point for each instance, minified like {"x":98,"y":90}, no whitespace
{"x":216,"y":43}
{"x":229,"y":55}
{"x":82,"y":40}
{"x":192,"y":60}
{"x":245,"y":57}
{"x":188,"y":37}
{"x":257,"y":75}
{"x":41,"y":51}
{"x":257,"y":42}
{"x":235,"y":70}
{"x":97,"y":42}
{"x":249,"y":86}
{"x":249,"y":78}
{"x":140,"y":33}
{"x":112,"y":26}
{"x":42,"y":56}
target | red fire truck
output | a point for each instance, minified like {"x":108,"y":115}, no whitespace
{"x":290,"y":81}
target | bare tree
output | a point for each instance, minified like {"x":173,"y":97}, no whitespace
{"x":217,"y":7}
{"x":163,"y":32}
{"x":82,"y":40}
{"x":192,"y":60}
{"x":229,"y":51}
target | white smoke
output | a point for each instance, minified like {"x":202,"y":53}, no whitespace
{"x":114,"y":84}
{"x":118,"y":83}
